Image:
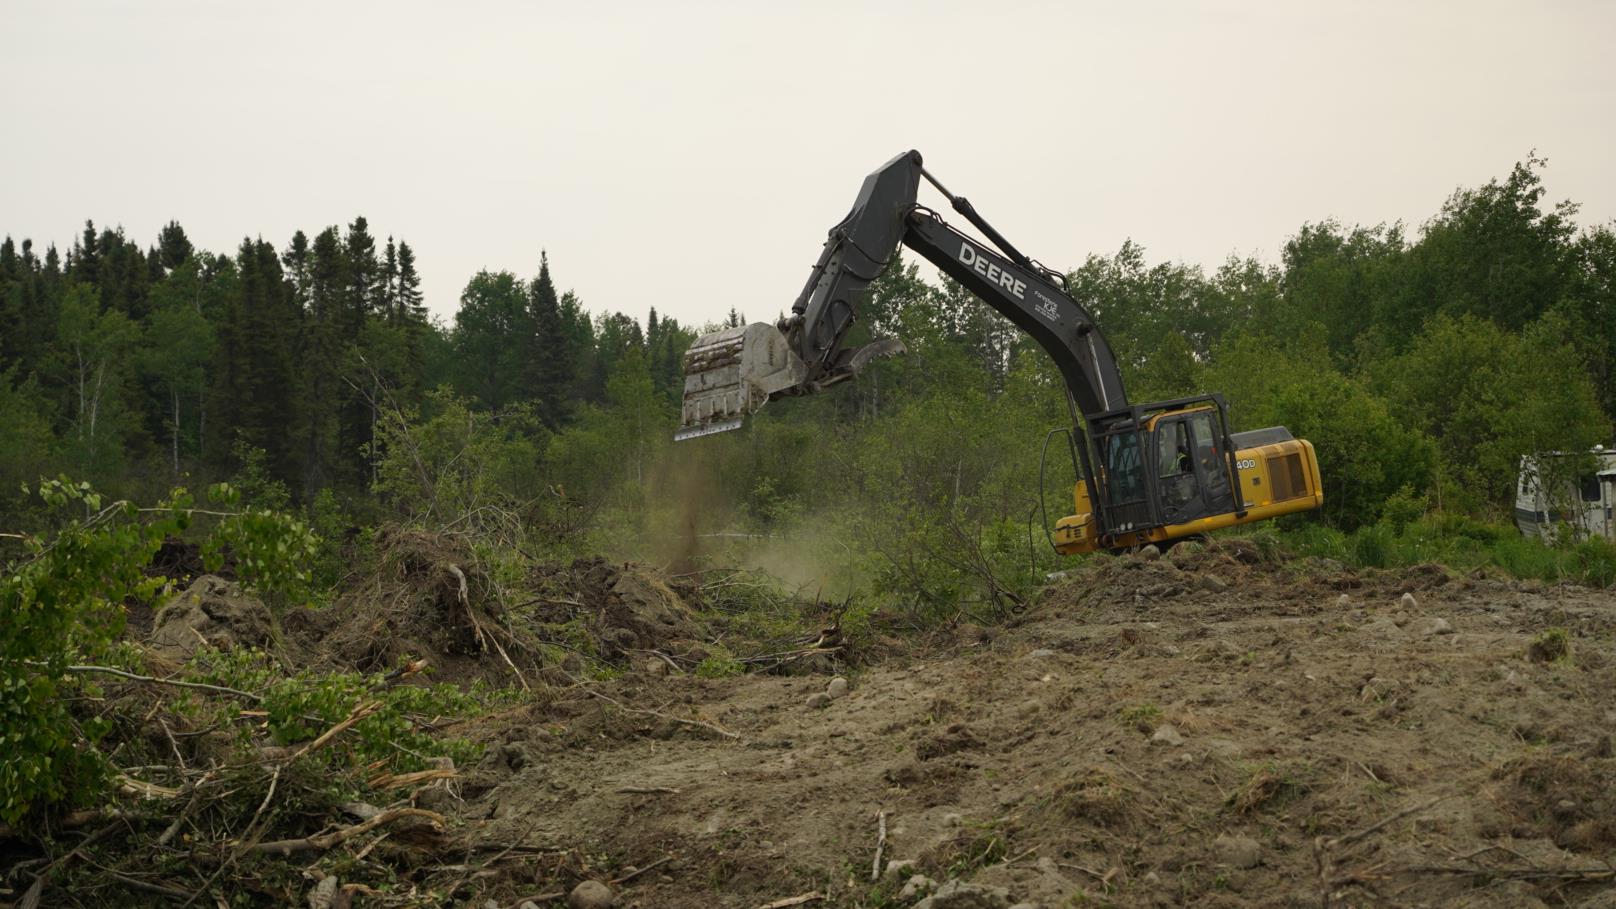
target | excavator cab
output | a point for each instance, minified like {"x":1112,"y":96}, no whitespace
{"x":1166,"y":471}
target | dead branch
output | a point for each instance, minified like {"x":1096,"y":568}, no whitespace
{"x":617,"y":881}
{"x":810,"y":897}
{"x":648,"y":790}
{"x":880,"y":844}
{"x":397,"y":780}
{"x":324,"y":841}
{"x":1323,"y":850}
{"x":359,"y":712}
{"x":148,"y":886}
{"x":1351,"y":838}
{"x":152,"y":680}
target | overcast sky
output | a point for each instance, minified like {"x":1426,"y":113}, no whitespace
{"x":691,"y":156}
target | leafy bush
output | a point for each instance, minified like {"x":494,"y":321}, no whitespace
{"x":303,"y":705}
{"x":61,"y":604}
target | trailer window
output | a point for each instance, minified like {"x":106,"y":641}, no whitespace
{"x":1590,"y":488}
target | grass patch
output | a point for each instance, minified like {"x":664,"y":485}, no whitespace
{"x":1552,"y":646}
{"x":1142,"y":717}
{"x":1460,"y":542}
{"x":1268,"y":786}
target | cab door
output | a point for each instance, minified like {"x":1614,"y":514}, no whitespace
{"x":1192,"y":470}
{"x":1178,"y":487}
{"x":1211,"y":464}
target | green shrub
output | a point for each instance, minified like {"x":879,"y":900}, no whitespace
{"x":62,"y":604}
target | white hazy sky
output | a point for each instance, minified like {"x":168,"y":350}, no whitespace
{"x":691,"y":156}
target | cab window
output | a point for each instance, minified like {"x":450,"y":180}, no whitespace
{"x":1124,"y":467}
{"x":1172,"y":448}
{"x":1206,"y":449}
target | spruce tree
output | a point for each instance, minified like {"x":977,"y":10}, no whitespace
{"x":548,"y":366}
{"x":173,"y":246}
{"x":255,"y":391}
{"x":409,"y":285}
{"x":356,"y":389}
{"x":387,"y":287}
{"x":412,"y":312}
{"x":323,"y":345}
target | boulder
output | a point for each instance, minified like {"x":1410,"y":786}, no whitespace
{"x":214,"y":611}
{"x":591,"y":895}
{"x":1237,"y":851}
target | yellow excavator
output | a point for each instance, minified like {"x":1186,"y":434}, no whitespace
{"x":1147,"y":473}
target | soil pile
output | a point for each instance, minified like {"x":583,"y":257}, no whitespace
{"x":1213,"y":727}
{"x":212,"y":612}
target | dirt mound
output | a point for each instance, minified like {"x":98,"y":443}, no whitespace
{"x":623,"y":611}
{"x":1287,"y":733}
{"x":212,"y":612}
{"x":428,"y":597}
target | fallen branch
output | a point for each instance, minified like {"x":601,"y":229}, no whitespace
{"x":1104,"y":878}
{"x":880,"y":844}
{"x":131,"y":786}
{"x":616,"y":881}
{"x":396,"y":780}
{"x":1351,"y":838}
{"x":1324,"y":860}
{"x":152,"y":680}
{"x":794,"y":900}
{"x":364,"y":709}
{"x":150,"y":887}
{"x":648,"y":790}
{"x":324,"y":841}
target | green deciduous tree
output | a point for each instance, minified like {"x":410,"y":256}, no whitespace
{"x":1488,"y":396}
{"x":176,"y":348}
{"x":1365,"y":452}
{"x":93,"y":346}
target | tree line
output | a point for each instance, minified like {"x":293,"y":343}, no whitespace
{"x":137,"y":367}
{"x":1422,"y":362}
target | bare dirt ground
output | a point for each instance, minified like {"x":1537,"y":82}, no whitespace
{"x":1201,"y":729}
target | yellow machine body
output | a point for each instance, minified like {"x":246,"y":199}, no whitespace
{"x":1272,"y":480}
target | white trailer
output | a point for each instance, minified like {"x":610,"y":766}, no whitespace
{"x":1567,"y":488}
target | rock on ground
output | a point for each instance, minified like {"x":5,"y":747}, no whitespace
{"x":1237,"y":851}
{"x":1437,"y":626}
{"x":960,"y":895}
{"x":1166,"y":734}
{"x":915,"y":886}
{"x":836,"y":688}
{"x":324,"y":893}
{"x":212,"y":610}
{"x":899,"y":869}
{"x":591,"y":895}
